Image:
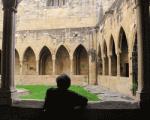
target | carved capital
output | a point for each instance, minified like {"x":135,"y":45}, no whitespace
{"x":10,"y":5}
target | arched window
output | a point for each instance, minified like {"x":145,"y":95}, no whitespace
{"x":81,"y":63}
{"x":135,"y":67}
{"x":62,"y":61}
{"x":106,"y":64}
{"x":113,"y":57}
{"x":29,"y":62}
{"x":100,"y":66}
{"x":45,"y":65}
{"x":124,"y":62}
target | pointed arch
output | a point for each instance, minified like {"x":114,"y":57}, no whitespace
{"x":135,"y":66}
{"x":123,"y":46}
{"x":66,"y":47}
{"x":45,"y":62}
{"x":122,"y":39}
{"x":112,"y":50}
{"x":17,"y":63}
{"x":62,"y":60}
{"x":111,"y":43}
{"x":81,"y":61}
{"x":29,"y":62}
{"x":99,"y":66}
{"x":105,"y":63}
{"x":104,"y":48}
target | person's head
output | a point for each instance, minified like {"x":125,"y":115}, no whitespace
{"x":63,"y":81}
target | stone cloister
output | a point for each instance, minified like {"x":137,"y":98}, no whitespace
{"x":107,"y":46}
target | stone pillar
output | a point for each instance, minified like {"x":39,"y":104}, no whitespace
{"x":54,"y":64}
{"x":118,"y":64}
{"x":21,"y":67}
{"x":103,"y":60}
{"x":130,"y":65}
{"x":7,"y":90}
{"x":110,"y":66}
{"x":93,"y":56}
{"x":143,"y":41}
{"x":37,"y":67}
{"x":92,"y":67}
{"x":71,"y":65}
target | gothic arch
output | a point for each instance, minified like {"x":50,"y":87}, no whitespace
{"x":17,"y":63}
{"x":80,"y":60}
{"x":105,"y":53}
{"x":135,"y":67}
{"x":123,"y":46}
{"x":29,"y":62}
{"x":45,"y":62}
{"x":111,"y":42}
{"x":66,"y":47}
{"x":112,"y":50}
{"x":99,"y":61}
{"x":62,"y":60}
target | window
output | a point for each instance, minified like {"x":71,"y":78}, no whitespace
{"x":57,"y":3}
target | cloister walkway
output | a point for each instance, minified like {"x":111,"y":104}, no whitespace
{"x":110,"y":99}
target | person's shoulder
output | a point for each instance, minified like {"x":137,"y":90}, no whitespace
{"x":52,"y":89}
{"x":73,"y":93}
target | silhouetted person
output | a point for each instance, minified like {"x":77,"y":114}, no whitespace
{"x":61,"y":103}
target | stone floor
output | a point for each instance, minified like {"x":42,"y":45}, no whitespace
{"x":106,"y":95}
{"x":111,"y":100}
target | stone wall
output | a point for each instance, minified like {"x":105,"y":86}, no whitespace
{"x":48,"y":79}
{"x":119,"y":19}
{"x":23,"y":113}
{"x":119,"y":84}
{"x":76,"y":13}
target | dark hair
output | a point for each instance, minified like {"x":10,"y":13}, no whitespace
{"x":63,"y":81}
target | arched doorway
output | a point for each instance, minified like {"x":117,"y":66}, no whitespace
{"x":135,"y":67}
{"x":17,"y":63}
{"x":113,"y":57}
{"x":106,"y":65}
{"x":99,"y":61}
{"x":80,"y":58}
{"x":29,"y":62}
{"x":62,"y":61}
{"x":124,"y":62}
{"x":45,"y":63}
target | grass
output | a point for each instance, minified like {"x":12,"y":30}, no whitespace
{"x":38,"y":92}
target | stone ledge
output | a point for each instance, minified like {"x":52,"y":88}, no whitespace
{"x":91,"y":105}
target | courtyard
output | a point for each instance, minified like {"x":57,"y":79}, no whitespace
{"x":103,"y":45}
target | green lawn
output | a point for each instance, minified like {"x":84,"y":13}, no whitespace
{"x":38,"y":92}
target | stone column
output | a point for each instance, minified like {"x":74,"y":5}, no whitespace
{"x":7,"y":90}
{"x":92,"y":67}
{"x":37,"y":67}
{"x":110,"y":66}
{"x":54,"y":64}
{"x":118,"y":64}
{"x":92,"y":56}
{"x":103,"y":60}
{"x":21,"y":67}
{"x":143,"y":41}
{"x":130,"y":65}
{"x":71,"y":65}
